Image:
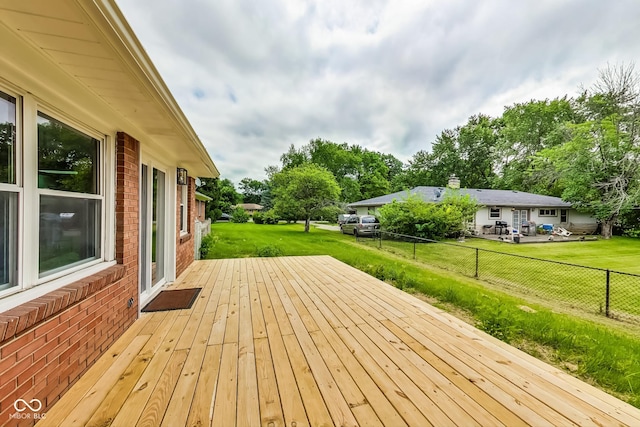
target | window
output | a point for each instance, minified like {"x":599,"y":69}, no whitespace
{"x":495,"y":213}
{"x":184,"y":212}
{"x":8,"y":239}
{"x":52,"y":195}
{"x":70,"y":204}
{"x":547,"y":212}
{"x":8,"y":124}
{"x":9,"y":192}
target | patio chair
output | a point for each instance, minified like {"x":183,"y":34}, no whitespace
{"x":563,"y":232}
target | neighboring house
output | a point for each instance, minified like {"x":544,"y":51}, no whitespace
{"x":516,"y":208}
{"x":93,"y":222}
{"x":201,"y":203}
{"x":249,"y":208}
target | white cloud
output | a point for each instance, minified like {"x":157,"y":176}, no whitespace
{"x":254,"y":76}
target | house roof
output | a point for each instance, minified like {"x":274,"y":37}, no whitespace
{"x":83,"y":58}
{"x":249,"y":206}
{"x":484,"y":197}
{"x":202,"y":197}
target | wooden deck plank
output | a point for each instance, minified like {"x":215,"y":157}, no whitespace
{"x":156,"y":406}
{"x":178,"y":409}
{"x":290,"y":398}
{"x":232,"y":326}
{"x":225,"y":401}
{"x":270,"y":407}
{"x":117,"y":395}
{"x":335,"y":402}
{"x":248,"y":413}
{"x":131,"y":409}
{"x":306,"y":341}
{"x":201,"y":411}
{"x":314,"y":404}
{"x":375,"y":398}
{"x":72,"y":410}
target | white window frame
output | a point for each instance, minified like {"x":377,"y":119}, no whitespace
{"x":28,"y":283}
{"x":548,"y":212}
{"x":499,"y":212}
{"x":16,"y":188}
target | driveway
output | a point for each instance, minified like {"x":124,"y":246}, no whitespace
{"x":327,"y":227}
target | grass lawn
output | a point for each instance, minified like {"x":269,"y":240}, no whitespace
{"x":617,"y":253}
{"x":581,"y":288}
{"x":599,"y":352}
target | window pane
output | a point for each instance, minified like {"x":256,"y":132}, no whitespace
{"x":7,"y":139}
{"x":69,"y":232}
{"x":8,"y":241}
{"x":67,"y":158}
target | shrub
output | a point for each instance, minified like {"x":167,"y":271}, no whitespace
{"x":416,"y":217}
{"x":269,"y":251}
{"x":258,"y":218}
{"x":239,"y":215}
{"x":207,"y":244}
{"x":270,"y":217}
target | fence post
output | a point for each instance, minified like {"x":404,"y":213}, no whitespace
{"x":477,"y":262}
{"x":414,"y":249}
{"x":606,"y":304}
{"x":380,"y":244}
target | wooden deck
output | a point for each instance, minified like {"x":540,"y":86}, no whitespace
{"x":310,"y":341}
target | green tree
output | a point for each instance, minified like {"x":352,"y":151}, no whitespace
{"x":598,"y":168}
{"x":223,"y":195}
{"x":252,"y":190}
{"x":239,"y":215}
{"x":526,"y":129}
{"x":305,"y":191}
{"x":417,"y":172}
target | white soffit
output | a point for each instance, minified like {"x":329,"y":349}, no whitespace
{"x":93,"y":49}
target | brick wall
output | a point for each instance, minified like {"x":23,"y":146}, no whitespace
{"x":48,"y":343}
{"x":184,"y":244}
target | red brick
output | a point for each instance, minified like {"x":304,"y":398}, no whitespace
{"x":28,"y":349}
{"x":54,"y":333}
{"x":46,"y":327}
{"x":12,"y":373}
{"x":12,"y":347}
{"x":42,"y":352}
{"x":66,"y":355}
{"x":30,"y":372}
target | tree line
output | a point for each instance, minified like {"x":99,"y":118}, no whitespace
{"x":584,"y":149}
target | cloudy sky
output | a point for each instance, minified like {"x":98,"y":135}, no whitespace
{"x":255,"y":76}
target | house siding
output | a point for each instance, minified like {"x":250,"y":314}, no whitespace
{"x":49,"y":342}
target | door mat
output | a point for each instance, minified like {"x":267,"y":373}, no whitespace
{"x":178,"y":299}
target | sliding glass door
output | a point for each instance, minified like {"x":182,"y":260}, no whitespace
{"x":152,"y":229}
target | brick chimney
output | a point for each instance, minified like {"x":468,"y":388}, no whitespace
{"x":454,"y":182}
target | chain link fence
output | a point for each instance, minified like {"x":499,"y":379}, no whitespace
{"x":613,"y":294}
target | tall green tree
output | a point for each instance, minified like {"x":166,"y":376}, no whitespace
{"x":527,"y":128}
{"x":598,"y":167}
{"x":305,"y":191}
{"x":252,"y":190}
{"x":223,"y":194}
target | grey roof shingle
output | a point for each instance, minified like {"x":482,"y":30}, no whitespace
{"x":484,"y":197}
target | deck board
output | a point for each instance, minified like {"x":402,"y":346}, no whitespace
{"x":310,"y":341}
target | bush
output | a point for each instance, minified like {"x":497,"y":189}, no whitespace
{"x":258,"y":218}
{"x":270,"y":217}
{"x":269,"y":251}
{"x":207,"y":244}
{"x":416,"y":217}
{"x":239,"y":215}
